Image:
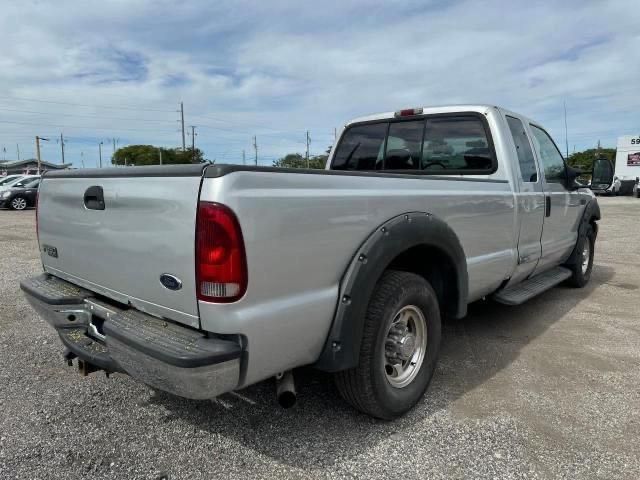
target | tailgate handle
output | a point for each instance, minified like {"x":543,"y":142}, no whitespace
{"x":94,"y":198}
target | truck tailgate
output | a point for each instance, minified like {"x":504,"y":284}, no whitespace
{"x":146,"y":230}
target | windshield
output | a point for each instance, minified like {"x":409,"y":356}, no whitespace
{"x":9,"y":178}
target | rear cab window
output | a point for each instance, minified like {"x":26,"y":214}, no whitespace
{"x":430,"y":145}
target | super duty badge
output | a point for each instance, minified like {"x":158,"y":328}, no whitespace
{"x":51,"y":251}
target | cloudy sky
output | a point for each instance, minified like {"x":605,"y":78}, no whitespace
{"x":102,"y":70}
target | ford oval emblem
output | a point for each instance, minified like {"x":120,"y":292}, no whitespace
{"x":170,"y":281}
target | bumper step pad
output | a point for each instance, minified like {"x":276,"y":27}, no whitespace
{"x":53,"y":290}
{"x":168,"y":342}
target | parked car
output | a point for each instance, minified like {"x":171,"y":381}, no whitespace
{"x":15,"y":180}
{"x":9,"y":178}
{"x":21,"y":195}
{"x":604,"y":189}
{"x":244,"y":273}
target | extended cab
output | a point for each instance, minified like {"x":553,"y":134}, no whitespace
{"x":203,"y":279}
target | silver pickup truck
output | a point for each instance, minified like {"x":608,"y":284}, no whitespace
{"x":203,"y":279}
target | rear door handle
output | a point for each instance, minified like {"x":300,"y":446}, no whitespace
{"x":547,"y":205}
{"x":94,"y":198}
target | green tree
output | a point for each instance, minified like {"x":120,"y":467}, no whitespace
{"x":584,"y":160}
{"x":296,"y":160}
{"x":150,"y":155}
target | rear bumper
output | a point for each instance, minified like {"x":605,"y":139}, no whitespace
{"x":160,"y":353}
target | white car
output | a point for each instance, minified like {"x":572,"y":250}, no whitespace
{"x":614,"y":189}
{"x":11,"y":180}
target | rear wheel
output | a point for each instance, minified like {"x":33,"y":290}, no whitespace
{"x":18,"y":203}
{"x":581,"y":269}
{"x":399,"y":349}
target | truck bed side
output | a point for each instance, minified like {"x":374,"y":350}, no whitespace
{"x":302,"y":229}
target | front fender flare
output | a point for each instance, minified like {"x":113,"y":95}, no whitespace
{"x":591,"y":212}
{"x":397,"y":235}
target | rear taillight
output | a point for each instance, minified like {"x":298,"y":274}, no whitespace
{"x":221,"y":264}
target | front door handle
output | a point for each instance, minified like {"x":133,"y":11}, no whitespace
{"x":547,"y":205}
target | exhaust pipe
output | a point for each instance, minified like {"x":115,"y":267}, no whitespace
{"x":286,"y":389}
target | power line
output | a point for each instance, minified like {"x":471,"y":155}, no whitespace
{"x":85,"y":127}
{"x":136,"y":109}
{"x":84,"y":115}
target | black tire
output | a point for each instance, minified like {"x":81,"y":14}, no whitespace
{"x":18,"y":203}
{"x":580,"y":277}
{"x":366,"y":387}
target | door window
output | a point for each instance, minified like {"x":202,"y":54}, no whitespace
{"x":550,"y":156}
{"x":526,"y":160}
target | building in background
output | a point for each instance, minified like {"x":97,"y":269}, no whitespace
{"x":628,"y":162}
{"x":28,"y":167}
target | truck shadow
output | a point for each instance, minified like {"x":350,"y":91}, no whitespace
{"x":321,"y":430}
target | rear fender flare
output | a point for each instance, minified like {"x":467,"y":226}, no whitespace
{"x":397,"y":235}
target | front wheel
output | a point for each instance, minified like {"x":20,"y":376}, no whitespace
{"x":18,"y":203}
{"x":399,"y":349}
{"x":581,"y":269}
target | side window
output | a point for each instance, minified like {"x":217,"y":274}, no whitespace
{"x":456,"y":143}
{"x":361,"y":148}
{"x":550,"y":156}
{"x":404,"y":146}
{"x":523,"y":147}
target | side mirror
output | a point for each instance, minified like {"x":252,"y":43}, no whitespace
{"x":602,"y":174}
{"x":572,"y":178}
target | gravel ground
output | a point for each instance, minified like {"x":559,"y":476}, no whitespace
{"x":549,"y":389}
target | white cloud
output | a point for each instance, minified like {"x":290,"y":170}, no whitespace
{"x":276,"y":69}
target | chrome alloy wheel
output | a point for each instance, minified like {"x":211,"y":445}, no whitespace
{"x":18,"y":203}
{"x":405,"y":346}
{"x":586,"y":253}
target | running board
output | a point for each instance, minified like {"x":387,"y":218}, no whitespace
{"x":532,"y":287}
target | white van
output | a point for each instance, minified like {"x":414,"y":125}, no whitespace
{"x":628,"y":162}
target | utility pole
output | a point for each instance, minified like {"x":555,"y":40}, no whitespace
{"x":308,"y":141}
{"x":184,"y":148}
{"x":18,"y":149}
{"x":193,"y":143}
{"x":62,"y":147}
{"x":160,"y":154}
{"x":38,"y":150}
{"x":100,"y":152}
{"x":566,"y":137}
{"x":335,"y":135}
{"x":82,"y":159}
{"x":244,"y":158}
{"x":255,"y":147}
